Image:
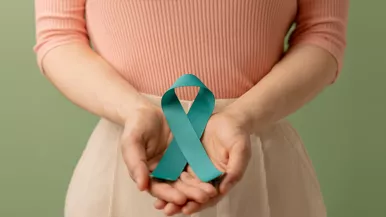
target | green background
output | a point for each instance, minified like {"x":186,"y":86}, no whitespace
{"x":42,"y":135}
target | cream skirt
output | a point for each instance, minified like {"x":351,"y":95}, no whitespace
{"x":280,"y":180}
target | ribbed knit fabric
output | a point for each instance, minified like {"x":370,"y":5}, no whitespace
{"x":229,"y":44}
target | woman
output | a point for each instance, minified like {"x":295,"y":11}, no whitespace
{"x":140,"y":47}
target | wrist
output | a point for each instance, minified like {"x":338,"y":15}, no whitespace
{"x":131,"y":108}
{"x":243,"y":118}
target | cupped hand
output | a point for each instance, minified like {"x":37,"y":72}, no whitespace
{"x":227,"y":143}
{"x":144,"y":139}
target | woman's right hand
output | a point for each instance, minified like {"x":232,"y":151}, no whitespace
{"x":144,"y":140}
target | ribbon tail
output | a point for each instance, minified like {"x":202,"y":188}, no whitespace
{"x":171,"y":165}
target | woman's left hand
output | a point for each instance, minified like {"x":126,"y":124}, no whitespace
{"x":227,"y":143}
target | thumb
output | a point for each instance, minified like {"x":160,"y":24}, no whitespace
{"x":134,"y":155}
{"x":238,"y":161}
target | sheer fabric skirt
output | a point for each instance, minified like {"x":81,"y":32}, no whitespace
{"x":280,"y":180}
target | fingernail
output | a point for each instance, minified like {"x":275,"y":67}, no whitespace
{"x":139,"y":184}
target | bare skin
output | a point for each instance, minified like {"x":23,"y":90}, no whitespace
{"x":298,"y":78}
{"x":91,"y":83}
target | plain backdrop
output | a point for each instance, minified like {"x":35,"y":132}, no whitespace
{"x":42,"y":135}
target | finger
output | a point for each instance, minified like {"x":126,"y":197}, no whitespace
{"x":154,"y":156}
{"x":191,"y":192}
{"x":160,"y":204}
{"x":171,"y":209}
{"x":166,"y":192}
{"x":134,"y":156}
{"x":238,"y":161}
{"x":191,"y":207}
{"x":190,"y":171}
{"x":193,"y":181}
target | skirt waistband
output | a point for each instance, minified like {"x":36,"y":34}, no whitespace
{"x":186,"y":104}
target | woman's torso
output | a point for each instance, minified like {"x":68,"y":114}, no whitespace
{"x":229,"y":44}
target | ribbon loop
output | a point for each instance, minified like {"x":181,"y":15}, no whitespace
{"x":187,"y":129}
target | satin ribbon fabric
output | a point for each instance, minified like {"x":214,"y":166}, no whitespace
{"x":187,"y":129}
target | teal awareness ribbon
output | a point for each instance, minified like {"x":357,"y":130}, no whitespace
{"x":187,"y":129}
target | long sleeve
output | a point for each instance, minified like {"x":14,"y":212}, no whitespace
{"x":58,"y":22}
{"x":322,"y":23}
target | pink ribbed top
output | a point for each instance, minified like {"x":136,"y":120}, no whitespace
{"x":229,"y":44}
